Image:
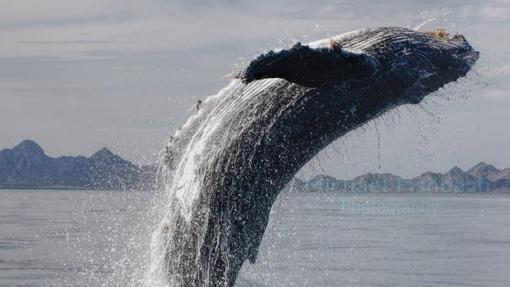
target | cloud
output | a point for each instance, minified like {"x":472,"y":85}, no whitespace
{"x":125,"y":70}
{"x":21,"y":13}
{"x":68,"y":42}
{"x":73,"y":28}
{"x":496,"y":12}
{"x":498,"y":95}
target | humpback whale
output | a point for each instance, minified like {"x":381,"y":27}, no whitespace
{"x":228,"y":163}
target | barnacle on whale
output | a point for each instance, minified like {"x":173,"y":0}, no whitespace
{"x":441,"y":34}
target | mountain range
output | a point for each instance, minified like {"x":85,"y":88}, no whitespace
{"x":482,"y":177}
{"x":27,"y":166}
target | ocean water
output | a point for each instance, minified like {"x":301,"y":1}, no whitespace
{"x":101,"y":238}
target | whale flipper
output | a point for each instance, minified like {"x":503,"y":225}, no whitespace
{"x":310,"y":67}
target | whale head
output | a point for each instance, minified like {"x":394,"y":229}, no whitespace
{"x":407,"y":64}
{"x":445,"y":59}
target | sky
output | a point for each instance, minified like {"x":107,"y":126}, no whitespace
{"x":76,"y":76}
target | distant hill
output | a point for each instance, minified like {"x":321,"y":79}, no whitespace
{"x":27,"y":166}
{"x":480,"y":178}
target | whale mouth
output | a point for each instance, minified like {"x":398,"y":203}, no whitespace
{"x":471,"y":58}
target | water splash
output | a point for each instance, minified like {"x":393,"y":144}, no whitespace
{"x":422,"y":24}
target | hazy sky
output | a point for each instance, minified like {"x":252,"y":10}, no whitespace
{"x":79,"y":75}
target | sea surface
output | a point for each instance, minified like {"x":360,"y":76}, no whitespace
{"x":101,"y":238}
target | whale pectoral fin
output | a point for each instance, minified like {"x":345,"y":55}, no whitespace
{"x":309,"y":67}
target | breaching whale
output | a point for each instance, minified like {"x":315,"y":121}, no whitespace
{"x":229,"y":162}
